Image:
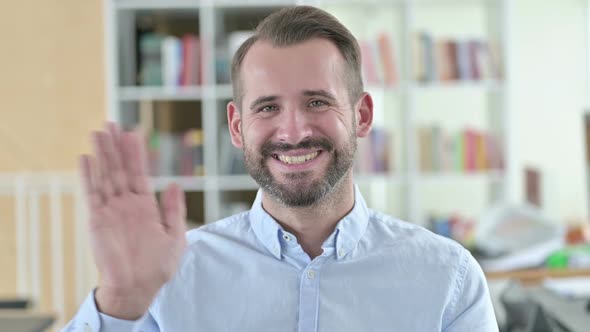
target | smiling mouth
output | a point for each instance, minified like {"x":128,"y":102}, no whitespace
{"x":295,"y":160}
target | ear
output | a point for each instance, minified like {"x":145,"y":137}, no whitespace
{"x":234,"y":122}
{"x":364,"y":115}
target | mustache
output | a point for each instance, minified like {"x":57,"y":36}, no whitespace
{"x":321,"y":143}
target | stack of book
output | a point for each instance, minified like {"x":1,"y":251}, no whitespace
{"x":467,"y":151}
{"x":166,"y":60}
{"x":379,"y":60}
{"x":374,"y":154}
{"x":454,"y":226}
{"x":451,"y":60}
{"x":176,"y":154}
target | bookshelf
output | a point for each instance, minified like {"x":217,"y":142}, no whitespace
{"x":402,"y":188}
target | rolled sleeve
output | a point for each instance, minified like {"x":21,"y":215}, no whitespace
{"x":89,"y":319}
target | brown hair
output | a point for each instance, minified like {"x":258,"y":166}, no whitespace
{"x":294,"y":25}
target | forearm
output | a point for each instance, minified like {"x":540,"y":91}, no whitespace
{"x":88,"y":318}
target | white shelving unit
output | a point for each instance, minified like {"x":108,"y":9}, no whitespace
{"x":400,"y":191}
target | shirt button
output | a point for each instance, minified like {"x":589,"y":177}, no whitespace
{"x":87,"y":328}
{"x":286,"y":237}
{"x":341,"y":253}
{"x":310,"y":274}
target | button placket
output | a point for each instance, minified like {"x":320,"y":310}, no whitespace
{"x":309,"y":295}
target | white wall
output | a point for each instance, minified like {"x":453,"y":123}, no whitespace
{"x":548,"y":96}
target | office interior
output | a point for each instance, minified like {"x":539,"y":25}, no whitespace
{"x":481,"y":134}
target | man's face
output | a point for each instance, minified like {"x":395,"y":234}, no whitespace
{"x":296,"y":125}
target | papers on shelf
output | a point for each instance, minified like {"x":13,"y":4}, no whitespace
{"x":574,"y":287}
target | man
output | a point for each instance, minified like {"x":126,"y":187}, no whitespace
{"x":309,"y":255}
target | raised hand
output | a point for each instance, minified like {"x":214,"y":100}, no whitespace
{"x":137,"y":243}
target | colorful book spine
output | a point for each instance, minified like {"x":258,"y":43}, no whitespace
{"x":388,"y":59}
{"x":446,"y":60}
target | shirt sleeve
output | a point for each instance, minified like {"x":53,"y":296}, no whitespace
{"x":89,"y":319}
{"x":471,"y":306}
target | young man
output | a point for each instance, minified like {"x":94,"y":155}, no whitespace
{"x":309,"y":255}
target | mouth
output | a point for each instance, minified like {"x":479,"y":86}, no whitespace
{"x":296,"y":159}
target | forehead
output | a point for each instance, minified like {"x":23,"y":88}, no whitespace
{"x":311,"y":65}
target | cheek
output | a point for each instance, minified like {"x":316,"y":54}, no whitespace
{"x":255,"y":134}
{"x":336,"y":128}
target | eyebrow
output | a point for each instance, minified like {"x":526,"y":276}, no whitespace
{"x":323,"y":93}
{"x":263,"y":99}
{"x":307,"y":93}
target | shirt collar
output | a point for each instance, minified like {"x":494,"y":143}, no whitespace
{"x":348,"y":232}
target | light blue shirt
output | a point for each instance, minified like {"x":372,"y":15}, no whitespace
{"x":377,"y":273}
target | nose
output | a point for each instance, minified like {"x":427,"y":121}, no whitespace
{"x":294,"y":126}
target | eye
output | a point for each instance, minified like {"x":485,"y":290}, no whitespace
{"x":267,"y":109}
{"x":317,"y":103}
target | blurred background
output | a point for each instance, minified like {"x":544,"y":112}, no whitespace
{"x":481,"y":133}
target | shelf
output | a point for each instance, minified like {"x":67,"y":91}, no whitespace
{"x":245,"y":182}
{"x":138,"y":93}
{"x":368,"y":179}
{"x":236,"y":182}
{"x":453,"y":2}
{"x":364,"y":3}
{"x":372,"y":88}
{"x":491,"y":85}
{"x":157,"y":4}
{"x":224,"y":91}
{"x":202,"y":183}
{"x":536,"y":276}
{"x":493,"y":175}
{"x":252,"y":4}
{"x":383,"y":3}
{"x":187,"y":183}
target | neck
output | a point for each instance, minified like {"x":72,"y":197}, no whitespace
{"x":313,"y":225}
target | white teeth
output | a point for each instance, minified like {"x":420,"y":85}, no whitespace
{"x":297,"y":159}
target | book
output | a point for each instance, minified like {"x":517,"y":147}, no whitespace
{"x":470,"y":149}
{"x":450,"y":59}
{"x":480,"y":152}
{"x":388,"y":61}
{"x":418,"y":56}
{"x":150,"y":60}
{"x":532,"y":185}
{"x":473,"y":49}
{"x":444,"y":62}
{"x":374,"y":152}
{"x":464,"y":67}
{"x":380,"y":150}
{"x":425,"y":148}
{"x":171,"y":61}
{"x":191,"y":73}
{"x":192,"y":155}
{"x":369,"y":67}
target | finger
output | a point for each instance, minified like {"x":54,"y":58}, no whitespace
{"x":99,"y":142}
{"x":134,"y":162}
{"x":88,"y":169}
{"x":118,"y":175}
{"x":174,"y":210}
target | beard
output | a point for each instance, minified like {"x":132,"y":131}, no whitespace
{"x":300,"y":190}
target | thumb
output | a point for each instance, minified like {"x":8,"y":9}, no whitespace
{"x":174,"y":209}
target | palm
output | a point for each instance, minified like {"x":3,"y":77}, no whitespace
{"x":127,"y":248}
{"x":137,"y":243}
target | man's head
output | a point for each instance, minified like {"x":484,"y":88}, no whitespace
{"x":299,"y":105}
{"x":294,"y":25}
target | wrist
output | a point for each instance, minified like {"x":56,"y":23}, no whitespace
{"x":126,"y":304}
